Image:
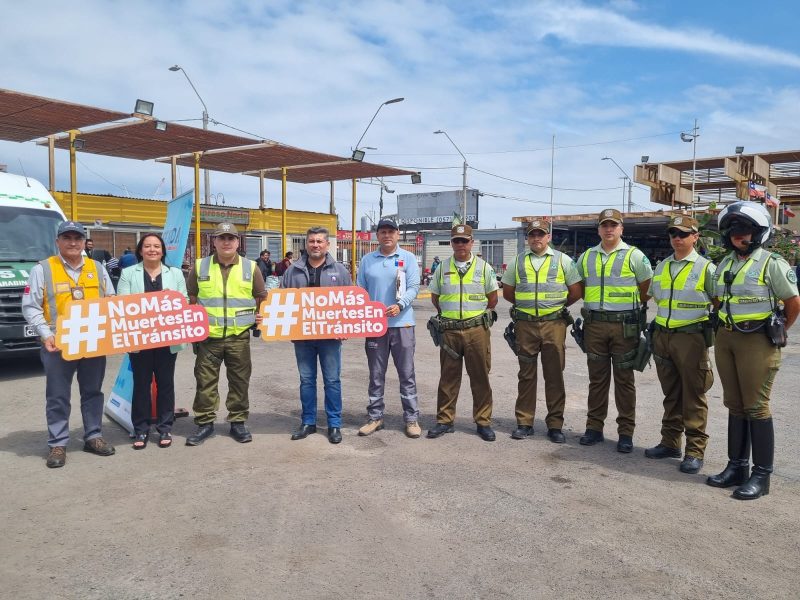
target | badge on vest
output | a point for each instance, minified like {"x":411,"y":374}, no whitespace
{"x":77,"y":293}
{"x":204,"y":278}
{"x":62,"y":288}
{"x":90,"y":275}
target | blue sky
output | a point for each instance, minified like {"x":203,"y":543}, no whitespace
{"x":617,"y":78}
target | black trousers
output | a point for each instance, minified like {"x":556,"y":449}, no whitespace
{"x":145,"y":364}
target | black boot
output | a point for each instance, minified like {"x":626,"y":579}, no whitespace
{"x":738,"y":469}
{"x":763,"y":435}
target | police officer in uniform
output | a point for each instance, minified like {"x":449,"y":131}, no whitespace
{"x":616,"y":279}
{"x":682,"y":286}
{"x":749,"y":283}
{"x":230,"y":288}
{"x":541,"y":283}
{"x":52,"y":284}
{"x":463,"y":290}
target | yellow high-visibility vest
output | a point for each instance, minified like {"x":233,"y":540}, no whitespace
{"x":230,"y":304}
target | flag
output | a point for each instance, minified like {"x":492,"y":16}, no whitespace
{"x":756,"y":191}
{"x":457,"y":220}
{"x":771,"y":200}
{"x":789,"y":212}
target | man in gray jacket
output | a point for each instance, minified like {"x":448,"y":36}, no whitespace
{"x":317,"y":268}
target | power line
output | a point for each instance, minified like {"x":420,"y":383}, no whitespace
{"x":546,"y":187}
{"x":548,"y":148}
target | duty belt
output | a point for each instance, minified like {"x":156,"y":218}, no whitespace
{"x":743,"y":326}
{"x":612,"y":316}
{"x":691,"y":328}
{"x":523,"y":316}
{"x":465,"y":324}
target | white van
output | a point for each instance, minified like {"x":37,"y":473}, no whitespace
{"x":29,"y":220}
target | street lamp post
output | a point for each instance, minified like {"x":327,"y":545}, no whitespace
{"x":629,"y":185}
{"x":380,"y":202}
{"x":463,"y":176}
{"x":206,"y":179}
{"x":358,"y":152}
{"x":692,"y":137}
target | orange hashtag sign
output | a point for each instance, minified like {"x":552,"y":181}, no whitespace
{"x":321,"y":313}
{"x":118,"y":324}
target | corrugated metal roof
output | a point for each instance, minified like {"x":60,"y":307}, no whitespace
{"x":24,"y":117}
{"x":268,"y":155}
{"x":142,"y":141}
{"x":346,"y":169}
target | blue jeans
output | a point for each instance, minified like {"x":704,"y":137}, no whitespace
{"x":329,"y":353}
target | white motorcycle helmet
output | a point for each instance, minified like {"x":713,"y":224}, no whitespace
{"x":750,"y":214}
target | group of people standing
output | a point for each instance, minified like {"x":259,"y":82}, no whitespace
{"x":750,"y":291}
{"x":747,"y":303}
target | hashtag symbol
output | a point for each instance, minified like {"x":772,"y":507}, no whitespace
{"x":77,"y":329}
{"x":280,"y":314}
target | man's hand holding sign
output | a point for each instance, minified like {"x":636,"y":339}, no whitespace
{"x":118,"y":324}
{"x":316,"y":313}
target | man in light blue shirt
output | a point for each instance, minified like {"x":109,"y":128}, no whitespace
{"x":391,"y":275}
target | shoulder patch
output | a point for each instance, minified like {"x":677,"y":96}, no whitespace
{"x":791,"y":276}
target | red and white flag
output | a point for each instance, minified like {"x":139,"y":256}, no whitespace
{"x":789,"y":212}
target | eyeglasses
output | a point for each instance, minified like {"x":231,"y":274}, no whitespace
{"x":459,"y":241}
{"x":673,"y":233}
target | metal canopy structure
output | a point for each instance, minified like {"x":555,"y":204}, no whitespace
{"x":24,"y":117}
{"x":141,"y":140}
{"x":722,"y":179}
{"x":342,"y":169}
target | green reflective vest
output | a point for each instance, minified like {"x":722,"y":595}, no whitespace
{"x":463,"y":296}
{"x":681,"y":299}
{"x":611,"y":287}
{"x":540,"y":292}
{"x":230,"y":304}
{"x":748,"y":298}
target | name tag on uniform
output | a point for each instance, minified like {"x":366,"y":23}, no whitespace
{"x":62,"y":288}
{"x":204,"y":278}
{"x":240,"y":313}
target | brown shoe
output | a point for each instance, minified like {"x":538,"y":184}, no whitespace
{"x":371,"y":426}
{"x":413,"y":430}
{"x":98,"y":446}
{"x":57,"y":457}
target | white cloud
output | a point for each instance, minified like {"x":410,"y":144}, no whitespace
{"x":586,"y":25}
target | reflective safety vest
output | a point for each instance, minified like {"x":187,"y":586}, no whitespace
{"x":463,"y":296}
{"x":749,"y":297}
{"x":612,"y":286}
{"x":682,"y":299}
{"x":230,"y":304}
{"x":58,"y":286}
{"x":540,"y":292}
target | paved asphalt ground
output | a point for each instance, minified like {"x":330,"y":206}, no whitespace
{"x":385,"y":516}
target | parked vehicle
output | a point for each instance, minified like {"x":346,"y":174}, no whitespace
{"x":29,"y":220}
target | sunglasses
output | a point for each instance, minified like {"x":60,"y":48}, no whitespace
{"x":459,"y":241}
{"x":673,"y":233}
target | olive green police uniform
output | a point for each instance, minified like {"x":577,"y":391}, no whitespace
{"x":746,"y":360}
{"x":682,"y":290}
{"x":229,"y":294}
{"x":747,"y":363}
{"x":540,"y":285}
{"x":612,"y":309}
{"x":463,"y":302}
